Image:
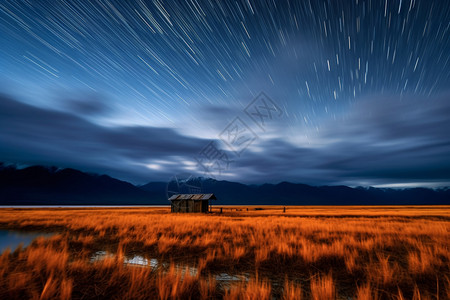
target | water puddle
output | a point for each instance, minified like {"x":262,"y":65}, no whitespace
{"x":136,"y":260}
{"x":100,"y":255}
{"x":225,"y":277}
{"x":141,"y":261}
{"x":12,"y":239}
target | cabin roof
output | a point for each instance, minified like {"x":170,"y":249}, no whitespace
{"x":193,"y":197}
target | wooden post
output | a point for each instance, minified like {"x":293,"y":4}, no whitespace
{"x":221,"y":210}
{"x":284,"y":209}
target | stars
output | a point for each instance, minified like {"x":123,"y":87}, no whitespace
{"x":154,"y":54}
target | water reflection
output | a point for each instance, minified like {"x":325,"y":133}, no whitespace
{"x":12,"y":239}
{"x":100,"y":255}
{"x":138,"y":260}
{"x":231,"y":278}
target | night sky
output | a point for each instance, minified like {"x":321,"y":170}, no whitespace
{"x":354,"y":92}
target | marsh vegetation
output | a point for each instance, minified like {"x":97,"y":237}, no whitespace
{"x":305,"y":253}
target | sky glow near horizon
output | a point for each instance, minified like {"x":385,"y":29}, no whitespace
{"x":136,"y":89}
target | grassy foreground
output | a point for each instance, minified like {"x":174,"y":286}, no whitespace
{"x":304,"y":253}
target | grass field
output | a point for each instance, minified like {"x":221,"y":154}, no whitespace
{"x":260,"y":253}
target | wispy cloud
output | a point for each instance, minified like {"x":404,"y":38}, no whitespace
{"x":381,"y":140}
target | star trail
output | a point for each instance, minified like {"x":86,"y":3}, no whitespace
{"x":140,"y":87}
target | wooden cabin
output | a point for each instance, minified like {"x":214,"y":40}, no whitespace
{"x":191,"y":203}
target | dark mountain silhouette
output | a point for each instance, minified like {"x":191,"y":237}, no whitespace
{"x":40,"y":185}
{"x":286,"y":193}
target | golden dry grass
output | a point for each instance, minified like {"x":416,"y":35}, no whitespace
{"x":305,"y":253}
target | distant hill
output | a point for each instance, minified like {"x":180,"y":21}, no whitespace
{"x":40,"y":185}
{"x":286,"y":193}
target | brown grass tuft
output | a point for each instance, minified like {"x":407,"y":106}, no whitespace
{"x":292,"y":291}
{"x":322,"y":288}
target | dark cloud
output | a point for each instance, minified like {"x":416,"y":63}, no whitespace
{"x":381,"y":140}
{"x":392,"y":138}
{"x":38,"y":136}
{"x":87,"y":104}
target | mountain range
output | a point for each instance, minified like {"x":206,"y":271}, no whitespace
{"x":40,"y":185}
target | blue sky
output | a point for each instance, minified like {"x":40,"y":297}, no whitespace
{"x":358,"y":91}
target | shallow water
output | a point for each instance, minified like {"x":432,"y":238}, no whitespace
{"x":136,"y":260}
{"x":12,"y":239}
{"x":231,"y":278}
{"x":154,"y":263}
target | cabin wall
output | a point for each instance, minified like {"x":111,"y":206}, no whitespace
{"x":186,"y":206}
